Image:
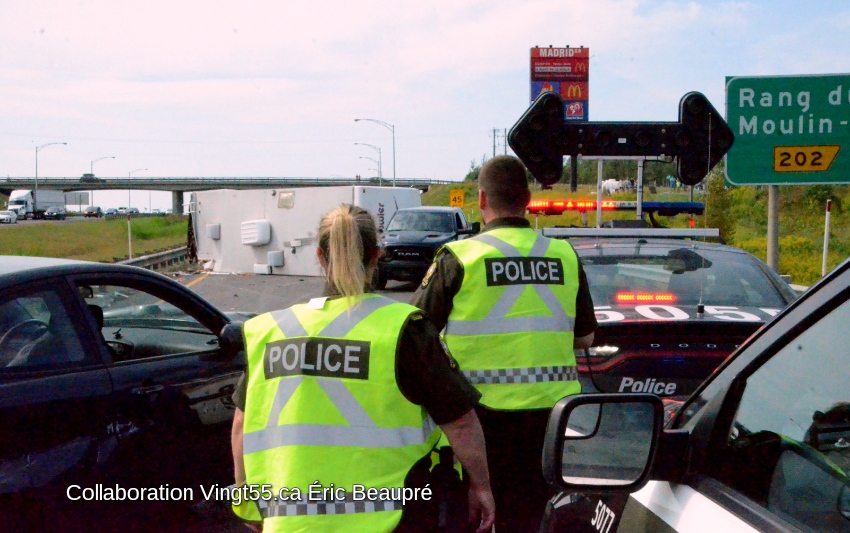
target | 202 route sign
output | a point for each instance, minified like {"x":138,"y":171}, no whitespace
{"x":789,"y":130}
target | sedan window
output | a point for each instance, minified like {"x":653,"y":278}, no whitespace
{"x":137,"y":324}
{"x":789,"y":446}
{"x":37,"y":333}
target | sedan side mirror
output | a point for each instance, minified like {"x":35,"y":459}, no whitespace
{"x":602,"y":442}
{"x":230,"y":341}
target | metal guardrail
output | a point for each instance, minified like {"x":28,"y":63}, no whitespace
{"x":158,"y":260}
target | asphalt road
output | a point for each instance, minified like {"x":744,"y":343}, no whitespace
{"x":258,"y":294}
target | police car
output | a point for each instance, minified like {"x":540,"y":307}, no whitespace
{"x":764,"y":445}
{"x":671,"y":306}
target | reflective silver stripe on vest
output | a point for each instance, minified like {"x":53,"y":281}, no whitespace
{"x":497,"y":320}
{"x":338,"y":327}
{"x":305,"y":507}
{"x":288,"y":323}
{"x":344,"y":436}
{"x":361,"y":430}
{"x":540,"y":374}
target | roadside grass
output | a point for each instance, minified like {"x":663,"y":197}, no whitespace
{"x":801,"y":219}
{"x":93,"y":240}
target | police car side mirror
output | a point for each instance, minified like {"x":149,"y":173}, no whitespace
{"x":602,"y":442}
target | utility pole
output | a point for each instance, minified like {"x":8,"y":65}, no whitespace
{"x":504,"y":135}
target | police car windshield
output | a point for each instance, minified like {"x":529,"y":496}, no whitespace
{"x":715,"y":277}
{"x":421,"y":221}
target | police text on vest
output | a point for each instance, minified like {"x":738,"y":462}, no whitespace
{"x":317,"y":356}
{"x":524,"y":271}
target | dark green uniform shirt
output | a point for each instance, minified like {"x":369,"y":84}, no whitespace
{"x":444,"y":278}
{"x":426,"y":373}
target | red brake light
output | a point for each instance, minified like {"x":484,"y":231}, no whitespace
{"x":556,"y":207}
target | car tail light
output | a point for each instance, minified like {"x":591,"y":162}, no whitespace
{"x":645,"y":298}
{"x":598,"y":355}
{"x":671,"y":409}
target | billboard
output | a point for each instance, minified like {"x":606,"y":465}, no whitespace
{"x":563,"y":71}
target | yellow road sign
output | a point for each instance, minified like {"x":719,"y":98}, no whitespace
{"x":456,"y":198}
{"x":804,"y":158}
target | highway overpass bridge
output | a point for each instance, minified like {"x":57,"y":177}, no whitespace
{"x":180,"y":185}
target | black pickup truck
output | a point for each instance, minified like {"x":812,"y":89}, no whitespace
{"x":412,"y":238}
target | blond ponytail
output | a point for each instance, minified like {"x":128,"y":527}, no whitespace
{"x":348,"y":239}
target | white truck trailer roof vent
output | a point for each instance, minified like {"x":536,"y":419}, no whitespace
{"x":256,"y":232}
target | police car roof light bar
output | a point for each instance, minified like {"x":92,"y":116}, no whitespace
{"x":557,"y":207}
{"x":674,"y":233}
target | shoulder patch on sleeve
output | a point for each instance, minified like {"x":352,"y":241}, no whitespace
{"x":427,"y":278}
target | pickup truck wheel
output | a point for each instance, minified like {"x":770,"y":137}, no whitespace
{"x":379,"y":281}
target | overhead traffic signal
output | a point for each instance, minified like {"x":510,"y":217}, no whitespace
{"x":698,"y":141}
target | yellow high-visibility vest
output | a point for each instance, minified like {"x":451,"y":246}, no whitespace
{"x":323,"y":409}
{"x":511,"y":324}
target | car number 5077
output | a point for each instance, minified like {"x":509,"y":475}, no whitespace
{"x":603,"y":519}
{"x":604,"y":313}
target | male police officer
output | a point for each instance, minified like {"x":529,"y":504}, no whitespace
{"x":514,"y":305}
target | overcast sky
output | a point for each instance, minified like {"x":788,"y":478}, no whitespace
{"x":212,"y":88}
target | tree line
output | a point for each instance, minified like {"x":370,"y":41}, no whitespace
{"x":653,"y":171}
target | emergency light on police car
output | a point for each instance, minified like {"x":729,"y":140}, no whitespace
{"x":557,"y":207}
{"x":643,"y":298}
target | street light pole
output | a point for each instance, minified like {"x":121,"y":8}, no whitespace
{"x":129,"y":229}
{"x":377,"y":162}
{"x":35,"y":192}
{"x":390,"y":127}
{"x":91,"y":171}
{"x":380,"y":167}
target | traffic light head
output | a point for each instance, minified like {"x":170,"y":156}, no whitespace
{"x":699,"y":140}
{"x":539,"y":138}
{"x":704,"y":138}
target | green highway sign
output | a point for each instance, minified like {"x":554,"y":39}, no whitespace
{"x":789,"y":130}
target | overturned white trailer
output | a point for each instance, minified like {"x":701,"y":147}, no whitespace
{"x":274,"y":231}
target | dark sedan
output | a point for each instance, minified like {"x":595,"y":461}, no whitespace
{"x":55,"y":213}
{"x":93,"y":211}
{"x":110,"y":376}
{"x":670,"y":311}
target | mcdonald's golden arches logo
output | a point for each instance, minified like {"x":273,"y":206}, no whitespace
{"x":574,"y":91}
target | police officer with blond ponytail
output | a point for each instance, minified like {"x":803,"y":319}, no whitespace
{"x":344,"y":400}
{"x":514,"y":305}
